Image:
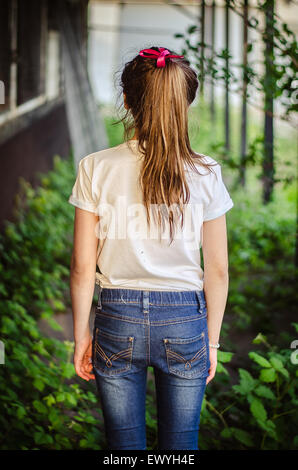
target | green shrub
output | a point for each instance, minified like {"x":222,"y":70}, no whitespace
{"x":42,"y":406}
{"x":260,"y":411}
{"x":262,"y":291}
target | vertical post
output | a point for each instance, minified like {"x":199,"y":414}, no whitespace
{"x":268,"y":159}
{"x":227,"y":108}
{"x":202,"y":55}
{"x":86,"y":125}
{"x":243,"y":143}
{"x":212,"y":102}
{"x":14,"y":56}
{"x":43,"y":45}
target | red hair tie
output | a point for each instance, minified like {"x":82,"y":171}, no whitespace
{"x":160,"y":56}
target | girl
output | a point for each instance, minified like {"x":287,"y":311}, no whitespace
{"x":143,"y":211}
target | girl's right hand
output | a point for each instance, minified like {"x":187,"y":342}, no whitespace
{"x":213,"y":364}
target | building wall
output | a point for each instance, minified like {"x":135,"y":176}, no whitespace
{"x":33,"y":121}
{"x":29,"y":151}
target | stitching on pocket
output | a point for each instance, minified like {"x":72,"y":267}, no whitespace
{"x":201,"y":354}
{"x":113,"y":356}
{"x":197,"y":356}
{"x":124,"y":353}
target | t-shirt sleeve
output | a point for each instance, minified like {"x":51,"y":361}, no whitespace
{"x":220,"y":201}
{"x":81,"y":195}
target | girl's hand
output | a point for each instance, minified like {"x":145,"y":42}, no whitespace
{"x":213,"y":364}
{"x":82,"y":358}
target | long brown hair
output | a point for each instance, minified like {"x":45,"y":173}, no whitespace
{"x":158,"y":101}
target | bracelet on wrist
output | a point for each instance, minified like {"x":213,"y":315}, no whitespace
{"x":217,"y":345}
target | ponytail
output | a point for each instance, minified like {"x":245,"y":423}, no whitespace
{"x":158,"y":100}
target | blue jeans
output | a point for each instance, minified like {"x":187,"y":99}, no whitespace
{"x":134,"y":329}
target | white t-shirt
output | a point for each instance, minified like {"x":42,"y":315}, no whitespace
{"x":130,"y":255}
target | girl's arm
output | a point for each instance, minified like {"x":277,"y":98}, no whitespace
{"x":82,"y":281}
{"x":216,"y":280}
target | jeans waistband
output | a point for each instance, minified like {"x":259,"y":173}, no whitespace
{"x":146,"y":297}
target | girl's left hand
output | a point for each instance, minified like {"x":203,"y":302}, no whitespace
{"x":83,"y":357}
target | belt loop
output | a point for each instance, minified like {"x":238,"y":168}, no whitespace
{"x":99,"y":297}
{"x":201,"y":299}
{"x":145,"y":301}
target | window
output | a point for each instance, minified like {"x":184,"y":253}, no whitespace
{"x":31,"y":25}
{"x":5,"y":54}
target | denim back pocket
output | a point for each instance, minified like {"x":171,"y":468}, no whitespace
{"x":187,"y":357}
{"x":112,"y":354}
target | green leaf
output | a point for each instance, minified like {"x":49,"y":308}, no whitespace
{"x":284,"y":372}
{"x":42,"y":438}
{"x":258,"y":410}
{"x":243,"y":437}
{"x":50,"y":400}
{"x":91,"y":397}
{"x":68,"y":370}
{"x":39,"y":384}
{"x":55,"y":418}
{"x":224,"y":356}
{"x":21,"y":412}
{"x":268,"y":426}
{"x":226,"y":433}
{"x":265,"y":392}
{"x":40,"y":407}
{"x":267,"y":375}
{"x":54,"y":324}
{"x":221,"y":369}
{"x":83,"y":443}
{"x":60,"y":397}
{"x":58,"y":305}
{"x":276,"y":363}
{"x":259,"y":359}
{"x":239,"y":389}
{"x":247,"y":382}
{"x":259,"y":339}
{"x":192,"y":29}
{"x":72,"y":400}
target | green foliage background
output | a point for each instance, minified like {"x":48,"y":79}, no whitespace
{"x":251,"y":403}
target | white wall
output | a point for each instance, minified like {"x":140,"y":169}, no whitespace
{"x":118,"y":32}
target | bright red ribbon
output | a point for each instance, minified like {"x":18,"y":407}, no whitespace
{"x":160,"y":56}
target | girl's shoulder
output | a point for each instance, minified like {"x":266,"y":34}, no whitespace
{"x":95,"y":159}
{"x":99,"y":154}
